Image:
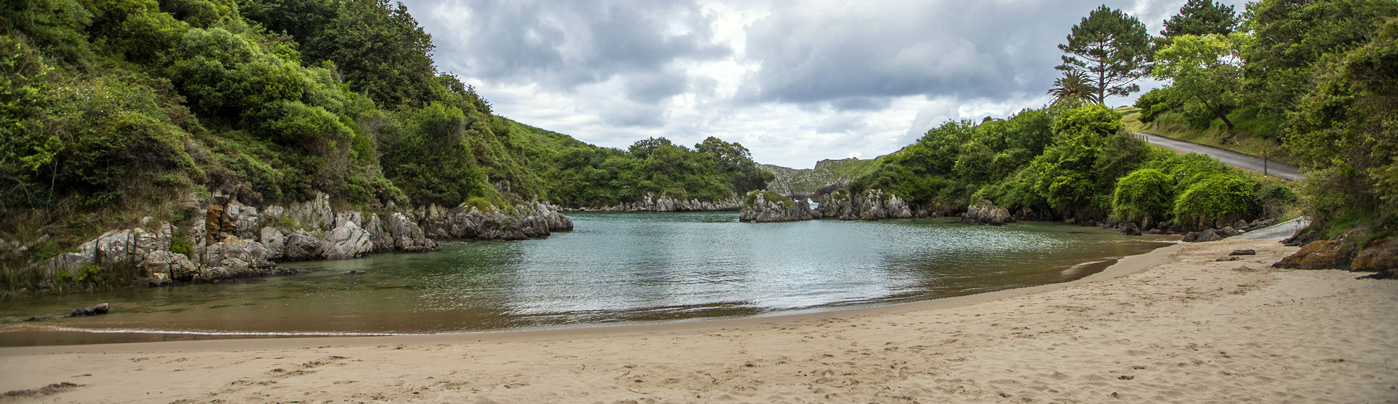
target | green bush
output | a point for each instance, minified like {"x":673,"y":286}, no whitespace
{"x":180,"y":245}
{"x":1145,"y":193}
{"x":1216,"y":200}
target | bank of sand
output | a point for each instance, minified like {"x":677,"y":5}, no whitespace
{"x":1170,"y":326}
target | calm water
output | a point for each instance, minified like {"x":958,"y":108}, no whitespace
{"x":615,"y":267}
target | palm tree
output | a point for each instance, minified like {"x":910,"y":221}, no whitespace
{"x":1073,"y":85}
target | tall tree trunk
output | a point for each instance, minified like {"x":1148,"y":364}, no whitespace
{"x":1217,"y":112}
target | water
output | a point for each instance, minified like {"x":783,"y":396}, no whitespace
{"x":614,"y":268}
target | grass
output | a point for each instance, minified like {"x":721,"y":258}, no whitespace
{"x":1250,"y":135}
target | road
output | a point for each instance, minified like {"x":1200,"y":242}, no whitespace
{"x":1227,"y":156}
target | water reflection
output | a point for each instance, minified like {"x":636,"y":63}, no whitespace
{"x":613,"y":268}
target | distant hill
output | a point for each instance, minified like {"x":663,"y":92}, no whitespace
{"x":808,"y":180}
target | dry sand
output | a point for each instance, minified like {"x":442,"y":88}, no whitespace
{"x":1171,"y":326}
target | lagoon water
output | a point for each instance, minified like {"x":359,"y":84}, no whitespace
{"x":614,"y":268}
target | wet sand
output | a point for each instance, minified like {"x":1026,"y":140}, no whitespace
{"x":1174,"y":325}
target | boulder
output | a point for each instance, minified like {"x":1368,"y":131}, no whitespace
{"x":164,"y":266}
{"x":100,"y":308}
{"x":1380,"y":256}
{"x":1244,"y":252}
{"x":347,"y":241}
{"x":301,"y":245}
{"x":1323,"y":254}
{"x":1130,"y":229}
{"x":275,"y":242}
{"x":253,"y":253}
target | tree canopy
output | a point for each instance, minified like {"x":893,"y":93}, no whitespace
{"x":1111,"y":48}
{"x":1202,"y":17}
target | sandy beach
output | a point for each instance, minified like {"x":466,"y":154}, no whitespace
{"x":1175,"y":325}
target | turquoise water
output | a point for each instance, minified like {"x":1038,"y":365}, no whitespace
{"x":614,"y":268}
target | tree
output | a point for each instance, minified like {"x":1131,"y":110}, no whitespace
{"x":1072,"y":86}
{"x":1206,"y":69}
{"x":1289,"y":37}
{"x":1345,"y":132}
{"x":1111,"y":48}
{"x":1202,"y":17}
{"x":381,"y":50}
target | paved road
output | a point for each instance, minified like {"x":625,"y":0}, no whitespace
{"x":1227,"y":156}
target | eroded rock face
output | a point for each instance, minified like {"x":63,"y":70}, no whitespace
{"x":985,"y":212}
{"x":762,"y":210}
{"x":300,"y":246}
{"x":347,"y":241}
{"x":665,"y":203}
{"x":232,"y":240}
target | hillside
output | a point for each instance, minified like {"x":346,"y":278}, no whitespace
{"x":112,"y":112}
{"x":807,"y":180}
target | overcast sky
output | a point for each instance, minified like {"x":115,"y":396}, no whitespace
{"x":794,"y":81}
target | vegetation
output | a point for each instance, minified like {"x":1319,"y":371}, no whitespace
{"x":114,"y":110}
{"x":1308,"y":81}
{"x":1112,"y":49}
{"x":1076,"y":163}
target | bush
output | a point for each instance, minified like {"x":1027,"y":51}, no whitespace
{"x":1216,"y":200}
{"x":1143,"y":194}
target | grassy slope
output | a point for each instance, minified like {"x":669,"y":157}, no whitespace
{"x":826,"y":172}
{"x":1241,"y":139}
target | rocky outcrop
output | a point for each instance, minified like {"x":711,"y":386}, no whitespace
{"x":763,"y":206}
{"x":985,"y":212}
{"x":231,"y":240}
{"x":768,"y":207}
{"x":873,"y":204}
{"x":1380,"y":256}
{"x":664,"y":203}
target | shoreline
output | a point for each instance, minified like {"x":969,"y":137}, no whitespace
{"x":1172,"y":325}
{"x":106,"y":338}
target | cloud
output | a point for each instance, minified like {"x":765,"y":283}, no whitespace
{"x":795,"y":82}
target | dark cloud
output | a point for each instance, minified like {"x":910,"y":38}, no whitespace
{"x":562,"y":45}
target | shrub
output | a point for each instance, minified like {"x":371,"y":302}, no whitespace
{"x":1145,"y":193}
{"x":1215,"y":200}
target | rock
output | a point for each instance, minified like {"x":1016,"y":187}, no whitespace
{"x":1228,"y":259}
{"x":213,"y":222}
{"x":241,"y":220}
{"x":758,"y":208}
{"x":100,"y":308}
{"x":1244,"y":252}
{"x":301,"y":245}
{"x":314,"y":214}
{"x":1323,"y":254}
{"x":347,"y":241}
{"x":985,"y":212}
{"x":1380,"y":256}
{"x":36,"y":318}
{"x":166,"y":266}
{"x":1241,"y":225}
{"x":275,"y":242}
{"x":1130,"y":229}
{"x":1228,"y":232}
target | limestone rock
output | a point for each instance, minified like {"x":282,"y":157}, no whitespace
{"x":347,"y":241}
{"x":985,"y":212}
{"x":301,"y":245}
{"x":275,"y":242}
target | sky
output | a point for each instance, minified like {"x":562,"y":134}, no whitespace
{"x":793,"y":81}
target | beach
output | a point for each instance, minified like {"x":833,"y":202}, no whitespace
{"x":1174,"y":325}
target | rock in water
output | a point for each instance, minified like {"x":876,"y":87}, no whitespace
{"x":100,"y":308}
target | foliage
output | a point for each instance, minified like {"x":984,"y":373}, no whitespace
{"x":1346,"y":133}
{"x":1216,"y":200}
{"x":1204,"y":69}
{"x":1073,"y":85}
{"x":1111,"y":48}
{"x":1144,"y":194}
{"x":380,"y":50}
{"x":1291,"y":37}
{"x":1201,"y":18}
